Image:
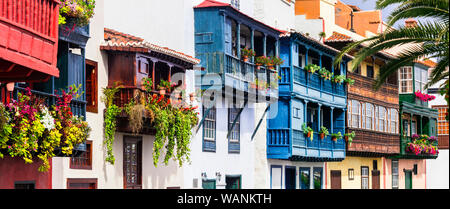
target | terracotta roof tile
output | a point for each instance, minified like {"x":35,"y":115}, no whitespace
{"x":339,"y":37}
{"x":427,"y":62}
{"x":114,"y":40}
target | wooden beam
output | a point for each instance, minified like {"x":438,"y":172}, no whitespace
{"x":235,"y":119}
{"x":260,"y":121}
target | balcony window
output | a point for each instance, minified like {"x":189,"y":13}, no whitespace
{"x":443,"y":124}
{"x":406,"y":80}
{"x":355,"y":114}
{"x":394,"y":121}
{"x":421,"y":79}
{"x":406,"y":131}
{"x":413,"y":127}
{"x":370,"y":71}
{"x":382,"y":119}
{"x":209,"y":129}
{"x":369,"y":114}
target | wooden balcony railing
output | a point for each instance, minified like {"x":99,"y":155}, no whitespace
{"x":364,"y":86}
{"x":373,"y":142}
{"x":29,"y":35}
{"x":302,"y":77}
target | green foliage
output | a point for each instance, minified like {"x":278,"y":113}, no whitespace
{"x":276,"y":61}
{"x":339,"y":79}
{"x":349,"y":81}
{"x":148,"y":84}
{"x":164,"y":84}
{"x":336,"y":136}
{"x":76,"y":11}
{"x":29,"y":129}
{"x":350,"y":136}
{"x":428,"y":39}
{"x":110,"y":122}
{"x":312,"y":68}
{"x":245,"y":52}
{"x":307,"y":129}
{"x":325,"y":74}
{"x":324,"y":130}
{"x":262,"y":60}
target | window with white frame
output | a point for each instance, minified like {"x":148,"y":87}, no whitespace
{"x":364,"y":177}
{"x":421,"y":79}
{"x":394,"y":174}
{"x":356,"y":114}
{"x":369,"y":114}
{"x":382,"y":122}
{"x":394,"y":121}
{"x":236,"y":131}
{"x":406,"y":80}
{"x":209,"y":126}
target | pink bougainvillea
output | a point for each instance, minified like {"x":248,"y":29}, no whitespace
{"x":424,"y":97}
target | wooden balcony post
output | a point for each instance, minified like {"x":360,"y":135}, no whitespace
{"x":306,"y":111}
{"x":306,"y":55}
{"x":265,"y":44}
{"x":331,"y":122}
{"x":153,"y":73}
{"x":410,"y":124}
{"x":318,"y":117}
{"x":320,"y":59}
{"x":421,"y":124}
{"x":238,"y":40}
{"x":252,"y":42}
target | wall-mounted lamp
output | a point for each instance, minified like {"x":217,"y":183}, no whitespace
{"x":218,"y":176}
{"x":204,"y":177}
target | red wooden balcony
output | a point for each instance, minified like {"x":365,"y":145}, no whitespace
{"x":28,"y":40}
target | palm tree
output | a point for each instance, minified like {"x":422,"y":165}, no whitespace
{"x":429,"y":39}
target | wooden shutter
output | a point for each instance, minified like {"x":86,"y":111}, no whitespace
{"x":91,"y":86}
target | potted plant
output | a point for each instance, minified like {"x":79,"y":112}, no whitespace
{"x":76,"y":12}
{"x":323,"y":132}
{"x":261,"y":61}
{"x":163,"y":86}
{"x":10,"y":87}
{"x":339,"y":79}
{"x":349,"y":137}
{"x":308,"y":131}
{"x":274,"y":61}
{"x":349,"y":81}
{"x":325,"y":74}
{"x":147,"y":84}
{"x":337,"y":136}
{"x":247,"y":53}
{"x":312,"y":68}
{"x":191,"y":97}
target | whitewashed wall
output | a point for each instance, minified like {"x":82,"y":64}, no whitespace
{"x":438,"y":169}
{"x":276,"y":13}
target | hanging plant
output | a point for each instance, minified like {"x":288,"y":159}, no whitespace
{"x":339,"y":79}
{"x":312,"y":68}
{"x":337,"y":136}
{"x":323,"y":132}
{"x":349,"y":137}
{"x":247,"y":53}
{"x":262,"y":61}
{"x":110,"y":122}
{"x":29,"y":129}
{"x":325,"y":74}
{"x":349,"y":81}
{"x":308,"y":131}
{"x":424,"y":97}
{"x":78,"y":12}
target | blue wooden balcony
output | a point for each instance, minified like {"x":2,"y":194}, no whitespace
{"x":226,"y":72}
{"x":311,"y":86}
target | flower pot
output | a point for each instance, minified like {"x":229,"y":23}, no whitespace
{"x":162,"y":91}
{"x":258,"y":67}
{"x":322,"y":135}
{"x":334,"y":139}
{"x":346,"y":138}
{"x":309,"y":134}
{"x":10,"y":86}
{"x":245,"y":58}
{"x":191,"y":97}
